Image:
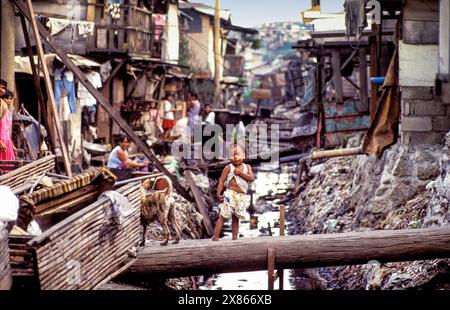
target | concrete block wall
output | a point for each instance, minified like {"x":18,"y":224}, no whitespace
{"x":425,"y":117}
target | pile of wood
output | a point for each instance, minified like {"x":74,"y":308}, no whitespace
{"x":48,"y":206}
{"x":85,"y":246}
{"x":21,"y":178}
{"x":5,"y":269}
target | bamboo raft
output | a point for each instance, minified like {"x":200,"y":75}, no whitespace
{"x":87,"y":247}
{"x":18,"y":178}
{"x":5,"y":269}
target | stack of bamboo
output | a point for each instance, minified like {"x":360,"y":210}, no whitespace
{"x":5,"y":269}
{"x":19,"y":177}
{"x":88,"y":247}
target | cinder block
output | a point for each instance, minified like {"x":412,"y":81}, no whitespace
{"x":428,"y":108}
{"x":406,"y":107}
{"x":441,"y":123}
{"x":420,"y":124}
{"x":417,"y":93}
{"x":417,"y":138}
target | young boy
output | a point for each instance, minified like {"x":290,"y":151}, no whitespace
{"x":236,"y":178}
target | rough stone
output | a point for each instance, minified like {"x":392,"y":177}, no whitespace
{"x":416,"y":124}
{"x":417,"y":93}
{"x":427,"y":108}
{"x":441,"y":123}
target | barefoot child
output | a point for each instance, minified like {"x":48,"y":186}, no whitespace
{"x":236,"y":178}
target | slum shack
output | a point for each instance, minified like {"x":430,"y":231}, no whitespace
{"x":5,"y":269}
{"x":86,"y":236}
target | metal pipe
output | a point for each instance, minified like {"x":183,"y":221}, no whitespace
{"x":292,"y":158}
{"x":150,"y":176}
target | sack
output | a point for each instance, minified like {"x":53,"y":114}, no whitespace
{"x":10,"y":204}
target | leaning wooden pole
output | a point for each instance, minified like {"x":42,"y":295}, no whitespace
{"x":194,"y":257}
{"x":102,"y":101}
{"x":217,"y":55}
{"x":48,"y":85}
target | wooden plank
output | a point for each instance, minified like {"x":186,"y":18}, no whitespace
{"x":336,"y":62}
{"x":49,"y":87}
{"x":363,"y":82}
{"x":42,"y":207}
{"x":195,"y":257}
{"x":104,"y":103}
{"x":199,"y":202}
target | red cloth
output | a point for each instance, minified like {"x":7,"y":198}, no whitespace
{"x":168,"y":123}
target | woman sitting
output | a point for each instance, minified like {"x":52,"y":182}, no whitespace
{"x":120,"y":164}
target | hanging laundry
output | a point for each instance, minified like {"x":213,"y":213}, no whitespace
{"x":159,"y":20}
{"x":85,"y":97}
{"x":76,"y":27}
{"x":64,"y":81}
{"x":355,"y":17}
{"x":112,"y":8}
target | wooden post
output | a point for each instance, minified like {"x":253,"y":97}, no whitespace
{"x":282,"y":233}
{"x":217,"y":55}
{"x":373,"y":70}
{"x":104,"y":103}
{"x":363,"y":87}
{"x":282,"y":216}
{"x":49,"y":87}
{"x":37,"y":84}
{"x":200,"y":203}
{"x":336,"y":61}
{"x":7,"y":43}
{"x":271,"y":268}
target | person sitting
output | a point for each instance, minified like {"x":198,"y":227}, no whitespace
{"x":120,"y":164}
{"x":210,"y":116}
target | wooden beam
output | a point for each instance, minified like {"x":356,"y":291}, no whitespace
{"x":103,"y":102}
{"x":373,"y":71}
{"x":336,"y":62}
{"x":37,"y":84}
{"x":363,"y":87}
{"x":195,"y":257}
{"x":49,"y":87}
{"x":199,"y":202}
{"x":271,"y":268}
{"x":114,"y":72}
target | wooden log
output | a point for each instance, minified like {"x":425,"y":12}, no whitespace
{"x":337,"y":153}
{"x":336,"y":62}
{"x":199,"y":202}
{"x":194,"y":257}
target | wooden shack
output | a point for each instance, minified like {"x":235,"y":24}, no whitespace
{"x":130,"y":29}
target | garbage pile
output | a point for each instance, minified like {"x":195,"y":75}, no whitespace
{"x":408,"y":188}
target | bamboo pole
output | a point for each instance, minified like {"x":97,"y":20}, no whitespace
{"x":49,"y":87}
{"x":217,"y":55}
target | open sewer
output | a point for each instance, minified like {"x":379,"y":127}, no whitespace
{"x":271,"y":181}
